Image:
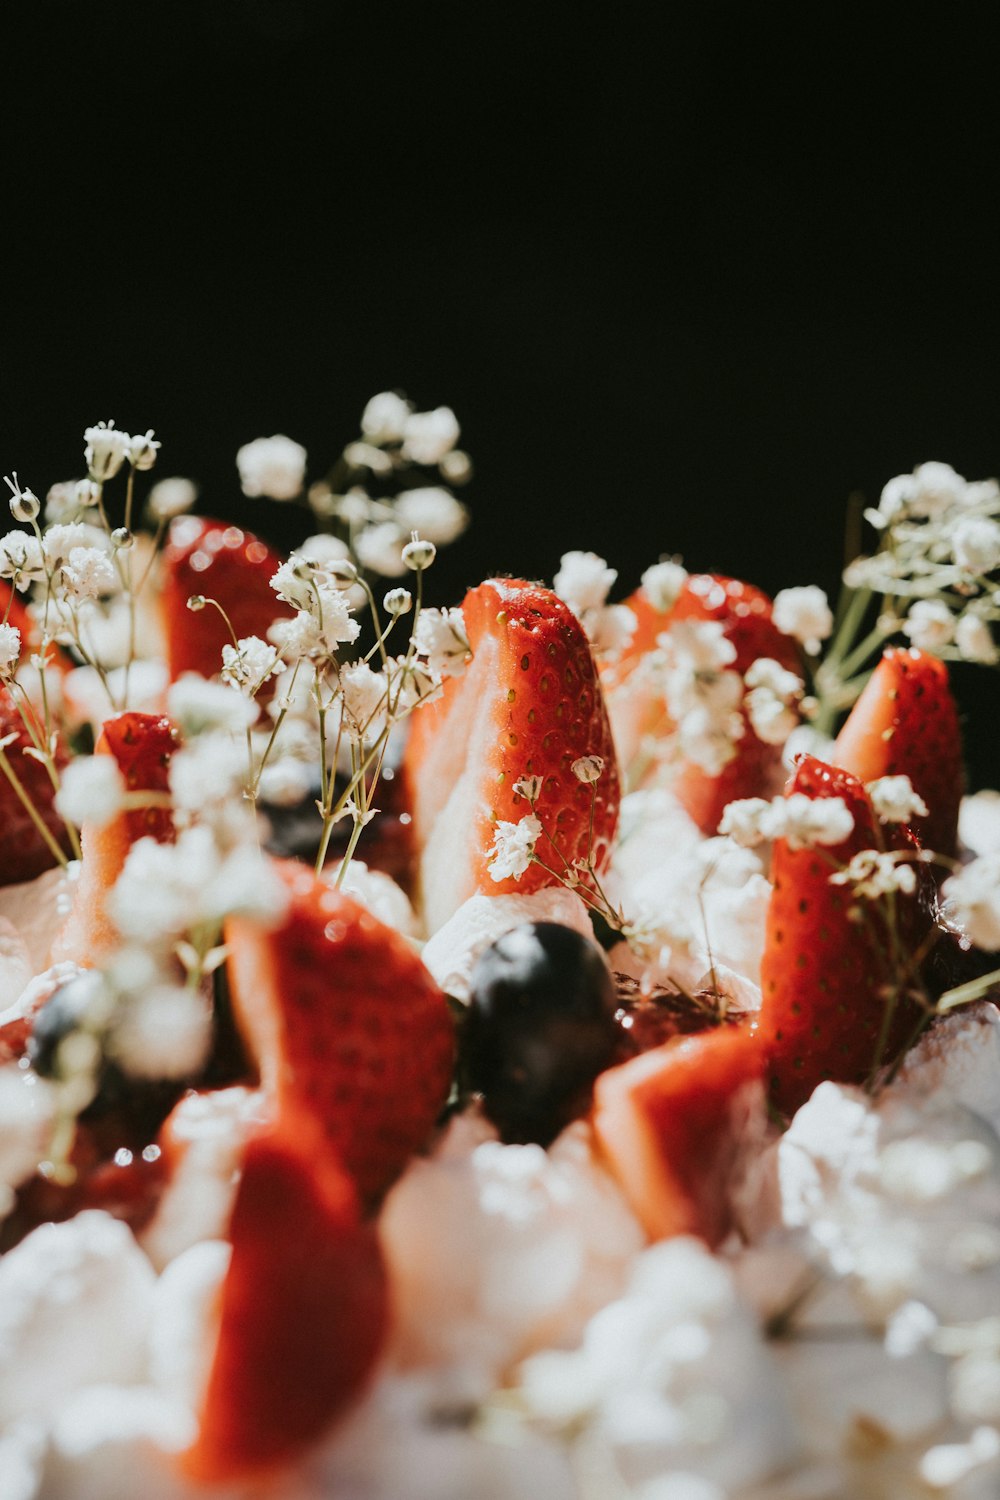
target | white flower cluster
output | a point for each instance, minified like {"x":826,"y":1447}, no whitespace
{"x":801,"y":821}
{"x":972,"y":900}
{"x":873,"y":874}
{"x":583,"y":582}
{"x":703,"y":694}
{"x":773,"y":700}
{"x":274,"y":467}
{"x":108,"y":448}
{"x":937,"y":561}
{"x":513,"y":847}
{"x":805,"y":614}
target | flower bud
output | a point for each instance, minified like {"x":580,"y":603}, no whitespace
{"x":398,"y":602}
{"x":24,"y":504}
{"x":87,"y":493}
{"x":196,"y":602}
{"x":142,"y":451}
{"x":418,"y":554}
{"x":341,"y":569}
{"x":121,"y":538}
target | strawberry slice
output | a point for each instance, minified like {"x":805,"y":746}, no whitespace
{"x":906,"y":723}
{"x":24,"y":853}
{"x":303,"y":1310}
{"x":822,"y":974}
{"x":346,"y":1024}
{"x":636,"y":700}
{"x":667,"y":1124}
{"x":530,"y":704}
{"x":142,"y":744}
{"x":224,"y":563}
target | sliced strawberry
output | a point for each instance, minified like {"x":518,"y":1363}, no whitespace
{"x":906,"y":724}
{"x":24,"y":853}
{"x":823,"y":973}
{"x":303,"y":1310}
{"x":529,"y":704}
{"x":142,"y":744}
{"x":346,"y":1024}
{"x":224,"y":563}
{"x":666,"y":1122}
{"x":636,"y":700}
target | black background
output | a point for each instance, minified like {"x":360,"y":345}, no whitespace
{"x":686,"y":288}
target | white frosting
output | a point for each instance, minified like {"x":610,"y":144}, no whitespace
{"x":27,"y":1115}
{"x":451,"y":953}
{"x":496,"y":1250}
{"x":74,"y":1311}
{"x":36,"y":909}
{"x":380,"y":893}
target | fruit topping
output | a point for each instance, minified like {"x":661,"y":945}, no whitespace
{"x":539,"y":1029}
{"x":668,"y":1123}
{"x":529,"y":705}
{"x":303,"y":1310}
{"x":228,"y":565}
{"x":24,"y":851}
{"x":345,"y":1024}
{"x":835,"y":992}
{"x":905,"y":723}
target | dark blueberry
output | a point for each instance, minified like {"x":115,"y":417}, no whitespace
{"x":65,"y":1011}
{"x":124,"y":1111}
{"x":295,"y":832}
{"x":540,"y":1028}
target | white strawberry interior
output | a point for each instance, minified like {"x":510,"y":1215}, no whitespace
{"x":451,"y":794}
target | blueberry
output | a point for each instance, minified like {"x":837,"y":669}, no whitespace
{"x":540,"y":1028}
{"x":66,"y":1010}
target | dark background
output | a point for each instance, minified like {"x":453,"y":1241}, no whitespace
{"x":685,"y":289}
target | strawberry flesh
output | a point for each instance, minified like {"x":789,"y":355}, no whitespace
{"x":906,"y":723}
{"x":530,"y":704}
{"x":666,"y":1122}
{"x":346,"y":1025}
{"x":822,"y":1012}
{"x":303,"y":1311}
{"x":224,"y":563}
{"x":24,"y":853}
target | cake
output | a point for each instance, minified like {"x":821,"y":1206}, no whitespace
{"x":503,"y":1049}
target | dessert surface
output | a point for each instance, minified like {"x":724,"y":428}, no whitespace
{"x":538,"y":1045}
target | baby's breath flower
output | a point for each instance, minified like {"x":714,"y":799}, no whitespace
{"x":198,"y":706}
{"x":273,"y":467}
{"x":384,"y":418}
{"x":588,"y":768}
{"x":106,"y":450}
{"x":122,"y":539}
{"x":21,"y":558}
{"x":171,"y":497}
{"x":804,"y":821}
{"x":429,"y":435}
{"x":895,"y":801}
{"x":285,"y":782}
{"x":456,"y":467}
{"x":324,"y":551}
{"x":930,"y":625}
{"x":165,"y":1032}
{"x":62,"y":503}
{"x":380,"y":549}
{"x":92,"y":789}
{"x":513,"y":847}
{"x":583,"y":581}
{"x":805,"y":614}
{"x":418,"y":553}
{"x":773,"y":700}
{"x":365,"y":695}
{"x":88,"y":573}
{"x":974,"y":640}
{"x":976,"y":544}
{"x":527,"y":787}
{"x":24,"y":503}
{"x":10,"y":648}
{"x":249,"y":664}
{"x":440,"y":638}
{"x":142,"y":450}
{"x":662,"y":583}
{"x":972,"y":899}
{"x":59,"y":541}
{"x":397,"y":602}
{"x":745,"y":821}
{"x":872,"y":874}
{"x":433,"y":512}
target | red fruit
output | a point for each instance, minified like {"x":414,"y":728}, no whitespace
{"x":224,"y":563}
{"x":822,"y":974}
{"x":529,"y":704}
{"x":667,"y":1124}
{"x":906,"y":724}
{"x":24,"y":853}
{"x":142,"y":744}
{"x":637,"y":705}
{"x":303,"y":1311}
{"x":346,"y":1025}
